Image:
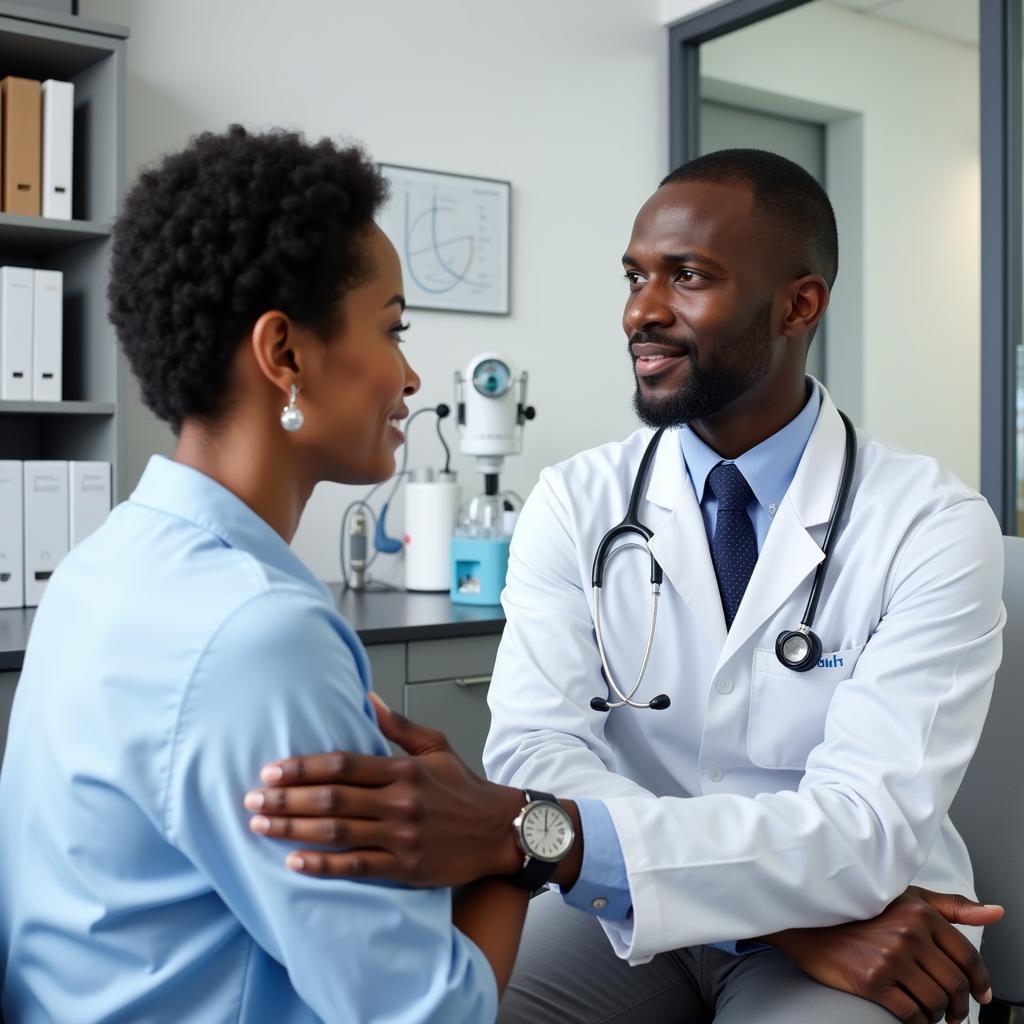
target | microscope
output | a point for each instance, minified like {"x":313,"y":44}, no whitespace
{"x":490,"y":399}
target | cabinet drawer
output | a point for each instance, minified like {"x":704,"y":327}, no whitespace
{"x":459,"y":711}
{"x":448,"y":659}
{"x":387,"y":677}
{"x":387,"y":672}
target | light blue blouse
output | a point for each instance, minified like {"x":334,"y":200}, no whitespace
{"x":177,"y":650}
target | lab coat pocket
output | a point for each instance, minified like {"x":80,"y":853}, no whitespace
{"x":787,"y":709}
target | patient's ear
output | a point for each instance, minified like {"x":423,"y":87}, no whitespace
{"x":276,"y":349}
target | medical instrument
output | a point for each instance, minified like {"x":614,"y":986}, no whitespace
{"x":354,"y":554}
{"x":492,"y":412}
{"x":381,"y":541}
{"x":797,"y":649}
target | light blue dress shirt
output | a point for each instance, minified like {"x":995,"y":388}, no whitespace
{"x":177,"y":650}
{"x":769,"y":469}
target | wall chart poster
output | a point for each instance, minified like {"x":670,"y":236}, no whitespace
{"x":452,"y":234}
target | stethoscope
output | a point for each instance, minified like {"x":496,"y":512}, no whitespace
{"x":797,"y":649}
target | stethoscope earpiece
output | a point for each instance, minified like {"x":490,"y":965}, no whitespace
{"x":798,"y":649}
{"x":658,"y":703}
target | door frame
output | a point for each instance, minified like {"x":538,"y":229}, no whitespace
{"x":1001,"y":53}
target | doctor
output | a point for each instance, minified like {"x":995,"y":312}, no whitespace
{"x":760,"y":799}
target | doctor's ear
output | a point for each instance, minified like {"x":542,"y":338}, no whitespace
{"x":807,"y":302}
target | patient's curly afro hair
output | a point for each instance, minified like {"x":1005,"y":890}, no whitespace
{"x":215,"y":235}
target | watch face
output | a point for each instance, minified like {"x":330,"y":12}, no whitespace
{"x":546,"y":831}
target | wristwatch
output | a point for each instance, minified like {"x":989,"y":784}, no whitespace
{"x":545,"y":835}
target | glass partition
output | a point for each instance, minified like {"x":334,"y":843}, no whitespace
{"x":880,"y":101}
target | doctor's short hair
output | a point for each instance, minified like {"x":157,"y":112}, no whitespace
{"x":790,"y":200}
{"x":213,"y":236}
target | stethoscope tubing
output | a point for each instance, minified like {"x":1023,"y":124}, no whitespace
{"x":837,"y":513}
{"x":626,"y":698}
{"x":631,"y":524}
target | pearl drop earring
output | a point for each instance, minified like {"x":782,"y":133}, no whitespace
{"x":291,"y":416}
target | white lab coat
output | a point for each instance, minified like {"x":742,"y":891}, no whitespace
{"x":762,"y":799}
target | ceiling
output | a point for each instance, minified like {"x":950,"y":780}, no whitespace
{"x":952,"y":19}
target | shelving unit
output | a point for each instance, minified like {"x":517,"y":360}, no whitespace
{"x":64,"y":408}
{"x":38,"y":236}
{"x":36,"y":43}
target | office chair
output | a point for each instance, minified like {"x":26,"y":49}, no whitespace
{"x":989,"y":809}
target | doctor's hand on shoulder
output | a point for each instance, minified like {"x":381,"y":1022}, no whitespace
{"x":427,"y":820}
{"x":423,"y":820}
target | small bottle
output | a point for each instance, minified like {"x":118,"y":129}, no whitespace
{"x":357,"y":550}
{"x":483,"y":517}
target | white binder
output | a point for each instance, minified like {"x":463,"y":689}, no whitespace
{"x":89,"y":489}
{"x":17,"y":300}
{"x":58,"y":131}
{"x":12,"y":540}
{"x":48,"y":336}
{"x":46,"y":524}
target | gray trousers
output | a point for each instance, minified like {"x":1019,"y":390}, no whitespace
{"x":566,"y":973}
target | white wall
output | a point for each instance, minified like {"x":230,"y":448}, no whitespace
{"x":568,"y":101}
{"x":675,"y":10}
{"x":917,"y":96}
{"x":564,"y":99}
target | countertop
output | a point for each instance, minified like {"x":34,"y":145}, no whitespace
{"x":397,"y":616}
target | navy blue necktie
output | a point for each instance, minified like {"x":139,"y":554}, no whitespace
{"x":734,"y":548}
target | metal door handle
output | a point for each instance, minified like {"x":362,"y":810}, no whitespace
{"x":472,"y":680}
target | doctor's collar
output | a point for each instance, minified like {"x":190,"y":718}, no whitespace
{"x":769,"y":467}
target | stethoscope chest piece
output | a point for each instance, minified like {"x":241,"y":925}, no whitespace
{"x":798,"y":649}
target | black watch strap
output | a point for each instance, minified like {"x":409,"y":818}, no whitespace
{"x":533,"y":795}
{"x":537,"y":873}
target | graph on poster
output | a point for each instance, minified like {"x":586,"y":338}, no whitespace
{"x":451,"y":233}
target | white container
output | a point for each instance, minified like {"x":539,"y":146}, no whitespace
{"x":17,"y":303}
{"x":46,"y":524}
{"x":12,"y":540}
{"x":89,"y":492}
{"x":58,"y":128}
{"x":431,"y":508}
{"x":48,"y":336}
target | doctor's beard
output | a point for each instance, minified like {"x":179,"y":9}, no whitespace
{"x":728,"y":371}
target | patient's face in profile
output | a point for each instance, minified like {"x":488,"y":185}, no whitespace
{"x":359,"y":380}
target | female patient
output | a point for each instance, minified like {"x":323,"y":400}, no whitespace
{"x":183,"y":645}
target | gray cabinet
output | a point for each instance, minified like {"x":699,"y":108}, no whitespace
{"x":457,"y":708}
{"x":387,"y":666}
{"x":8,"y":683}
{"x":440,"y":683}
